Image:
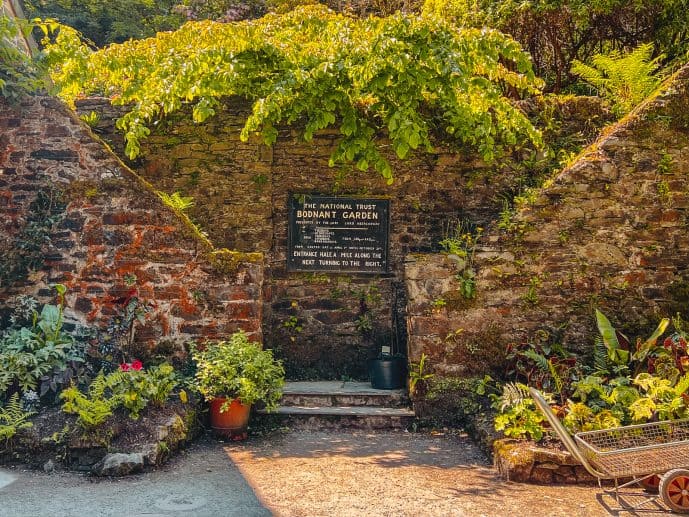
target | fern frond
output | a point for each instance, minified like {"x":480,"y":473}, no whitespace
{"x":682,"y":385}
{"x":540,"y":360}
{"x":601,"y":362}
{"x":176,"y":200}
{"x":13,"y":418}
{"x":557,"y":379}
{"x":625,"y":80}
{"x":513,"y":393}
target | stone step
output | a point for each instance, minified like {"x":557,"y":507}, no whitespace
{"x":353,"y":417}
{"x":338,"y":393}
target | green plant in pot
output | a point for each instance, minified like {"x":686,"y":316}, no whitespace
{"x":234,"y":374}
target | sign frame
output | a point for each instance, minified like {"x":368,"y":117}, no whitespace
{"x":322,"y":230}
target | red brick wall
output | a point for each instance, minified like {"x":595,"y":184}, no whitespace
{"x":241,"y":190}
{"x":111,"y":229}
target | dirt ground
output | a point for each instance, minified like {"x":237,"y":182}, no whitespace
{"x":400,"y":474}
{"x":307,"y":474}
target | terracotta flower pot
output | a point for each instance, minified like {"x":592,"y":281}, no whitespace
{"x":233,"y":422}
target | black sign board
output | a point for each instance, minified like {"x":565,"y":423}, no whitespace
{"x":345,"y":234}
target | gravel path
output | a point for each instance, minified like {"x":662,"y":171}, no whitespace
{"x":309,"y":474}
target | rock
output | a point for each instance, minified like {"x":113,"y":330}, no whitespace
{"x":566,"y":474}
{"x":513,"y":460}
{"x":601,"y":253}
{"x":582,"y":475}
{"x":549,"y":466}
{"x":118,"y":464}
{"x":49,"y":466}
{"x":542,"y":475}
{"x":152,"y":454}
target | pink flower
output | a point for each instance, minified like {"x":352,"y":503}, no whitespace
{"x":136,"y":365}
{"x":124,"y":367}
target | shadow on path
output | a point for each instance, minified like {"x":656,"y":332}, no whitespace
{"x":201,"y":482}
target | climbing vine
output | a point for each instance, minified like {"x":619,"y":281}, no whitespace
{"x":409,"y":77}
{"x":26,"y":253}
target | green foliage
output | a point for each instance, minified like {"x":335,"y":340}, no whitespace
{"x":402,"y":75}
{"x":239,"y":369}
{"x":452,"y":401}
{"x":293,"y":323}
{"x":13,"y":418}
{"x":91,"y":119}
{"x":438,"y":303}
{"x":621,"y":401}
{"x":558,"y":32}
{"x":531,"y":294}
{"x":176,"y":201}
{"x":92,"y":409}
{"x":20,"y":74}
{"x":112,"y":21}
{"x":619,"y":349}
{"x":582,"y":418}
{"x":131,"y":388}
{"x":626,"y":385}
{"x":625,"y":80}
{"x":364,"y":322}
{"x":39,"y":354}
{"x":131,"y":310}
{"x":546,"y":366}
{"x":461,"y":241}
{"x":518,"y":416}
{"x":660,"y":399}
{"x":418,"y":373}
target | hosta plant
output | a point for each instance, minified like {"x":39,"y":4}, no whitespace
{"x":40,"y":356}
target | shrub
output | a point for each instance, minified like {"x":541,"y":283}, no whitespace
{"x":42,"y":356}
{"x":131,"y":387}
{"x":558,"y":32}
{"x":239,"y":369}
{"x":19,"y":73}
{"x":627,"y":384}
{"x":315,"y":66}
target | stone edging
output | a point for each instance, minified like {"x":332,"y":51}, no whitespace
{"x":526,"y":462}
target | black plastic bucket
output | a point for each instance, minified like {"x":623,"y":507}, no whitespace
{"x":388,"y":373}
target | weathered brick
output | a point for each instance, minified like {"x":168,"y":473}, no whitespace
{"x":61,"y":155}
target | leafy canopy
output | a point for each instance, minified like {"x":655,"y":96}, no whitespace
{"x":104,"y":22}
{"x":557,"y":32}
{"x":409,"y":76}
{"x":19,"y":73}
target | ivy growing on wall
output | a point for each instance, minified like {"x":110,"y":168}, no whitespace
{"x":27,"y":251}
{"x":413,"y":78}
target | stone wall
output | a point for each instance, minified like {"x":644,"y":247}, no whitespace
{"x":107,"y":237}
{"x":610,"y":232}
{"x":326,"y":325}
{"x":526,"y":462}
